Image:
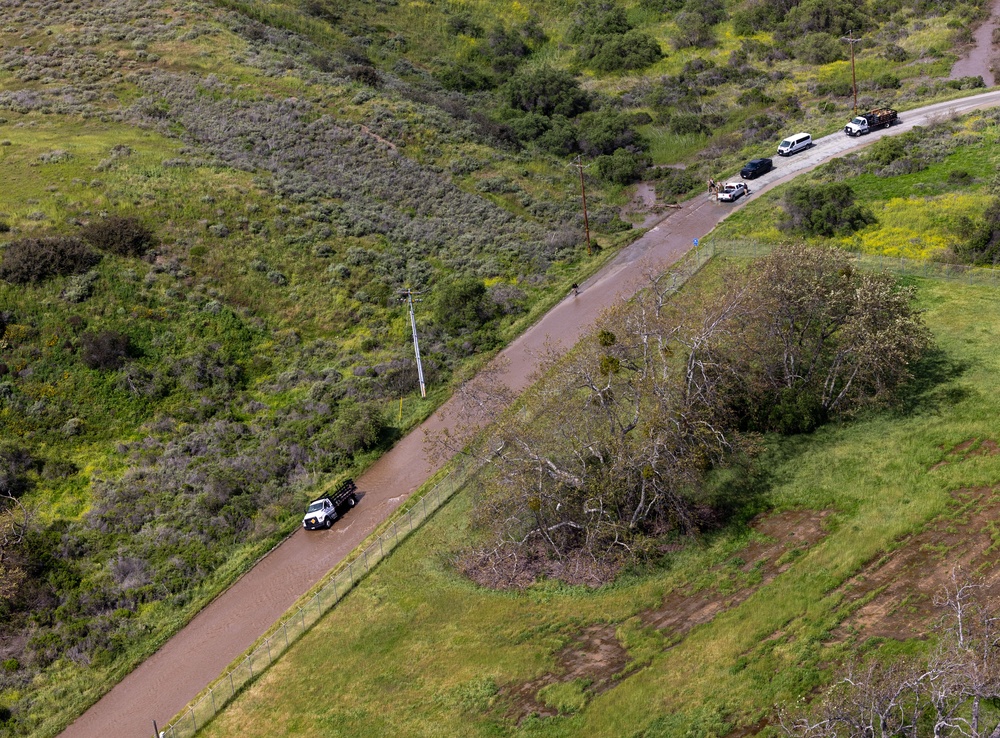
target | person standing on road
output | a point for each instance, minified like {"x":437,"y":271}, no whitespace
{"x":711,"y":185}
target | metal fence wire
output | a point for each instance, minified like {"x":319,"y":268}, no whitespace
{"x":298,"y":621}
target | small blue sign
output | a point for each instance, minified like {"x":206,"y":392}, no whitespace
{"x":696,"y":242}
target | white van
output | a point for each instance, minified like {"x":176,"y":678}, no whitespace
{"x":794,"y":144}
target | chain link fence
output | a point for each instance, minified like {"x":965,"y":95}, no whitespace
{"x":296,"y":622}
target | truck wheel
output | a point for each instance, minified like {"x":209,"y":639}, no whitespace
{"x":328,"y":524}
{"x":352,"y":501}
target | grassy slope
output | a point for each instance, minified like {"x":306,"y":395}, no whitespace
{"x":415,"y":650}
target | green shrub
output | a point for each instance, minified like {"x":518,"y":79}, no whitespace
{"x":605,"y":131}
{"x":462,"y":305}
{"x":547,"y":91}
{"x":622,"y":167}
{"x":819,"y":48}
{"x":561,"y":138}
{"x":33,"y":260}
{"x":463,"y":24}
{"x":104,"y":351}
{"x":595,"y":18}
{"x":465,"y":78}
{"x":887,"y":150}
{"x":672,"y":183}
{"x":125,"y":236}
{"x":825,"y":210}
{"x":358,"y":426}
{"x":632,"y":50}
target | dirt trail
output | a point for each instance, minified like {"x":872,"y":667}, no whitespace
{"x":162,"y":686}
{"x":979,"y":61}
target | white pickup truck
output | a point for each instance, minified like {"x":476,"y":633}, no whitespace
{"x":322,"y":512}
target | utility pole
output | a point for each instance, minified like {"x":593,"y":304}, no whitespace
{"x":854,"y":80}
{"x":416,"y":343}
{"x":583,"y":196}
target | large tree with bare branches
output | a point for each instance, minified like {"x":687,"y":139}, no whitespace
{"x":611,"y":448}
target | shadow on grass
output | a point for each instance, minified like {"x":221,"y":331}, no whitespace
{"x":929,"y":391}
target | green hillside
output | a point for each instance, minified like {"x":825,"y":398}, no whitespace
{"x":167,"y":402}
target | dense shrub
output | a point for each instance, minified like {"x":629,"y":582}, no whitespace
{"x":632,"y":50}
{"x":32,"y":260}
{"x":125,"y":236}
{"x":887,"y":149}
{"x":835,"y":18}
{"x":462,"y":305}
{"x":506,"y":49}
{"x":560,"y":138}
{"x":819,"y":48}
{"x":104,"y":350}
{"x":322,"y":9}
{"x":825,"y":210}
{"x":462,"y":23}
{"x":982,"y":243}
{"x":15,"y":463}
{"x":692,"y":30}
{"x":358,"y":426}
{"x":622,"y":167}
{"x":605,"y":131}
{"x":595,"y":18}
{"x":465,"y":78}
{"x":547,"y":91}
{"x":672,"y":183}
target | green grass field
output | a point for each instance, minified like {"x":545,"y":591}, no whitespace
{"x":416,"y":650}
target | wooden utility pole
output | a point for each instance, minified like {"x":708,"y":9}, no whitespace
{"x":854,"y":80}
{"x":583,"y":196}
{"x":416,"y":345}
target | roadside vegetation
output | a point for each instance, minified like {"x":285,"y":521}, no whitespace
{"x":838,"y":546}
{"x":209,"y":212}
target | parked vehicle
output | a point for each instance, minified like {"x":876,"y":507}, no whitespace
{"x":872,"y":121}
{"x":731,"y":191}
{"x":756,"y":167}
{"x":322,"y":512}
{"x":794,"y":144}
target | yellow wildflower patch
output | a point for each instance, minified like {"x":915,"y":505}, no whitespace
{"x":917,"y":227}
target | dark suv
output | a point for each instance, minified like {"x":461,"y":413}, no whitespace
{"x":755,"y":168}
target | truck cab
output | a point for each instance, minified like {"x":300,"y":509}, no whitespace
{"x":319,"y":514}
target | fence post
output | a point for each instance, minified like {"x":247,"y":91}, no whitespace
{"x":194,"y":721}
{"x":212,"y":693}
{"x":250,"y":664}
{"x":232,"y":687}
{"x":267,"y":642}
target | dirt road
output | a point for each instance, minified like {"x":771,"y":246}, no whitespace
{"x":165,"y":683}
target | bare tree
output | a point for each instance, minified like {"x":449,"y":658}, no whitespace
{"x":942,"y":696}
{"x":15,"y":519}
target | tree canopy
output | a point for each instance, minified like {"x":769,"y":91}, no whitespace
{"x":613,"y":449}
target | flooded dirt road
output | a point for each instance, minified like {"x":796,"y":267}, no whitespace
{"x":162,"y":686}
{"x":978,"y":62}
